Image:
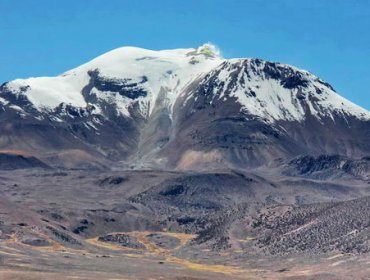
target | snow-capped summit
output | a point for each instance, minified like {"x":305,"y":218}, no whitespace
{"x":274,"y":91}
{"x":269,"y":90}
{"x":180,"y":108}
{"x":149,"y":70}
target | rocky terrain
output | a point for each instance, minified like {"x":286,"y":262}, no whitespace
{"x":180,"y":164}
{"x":339,"y":226}
{"x":329,"y":166}
{"x":226,"y":224}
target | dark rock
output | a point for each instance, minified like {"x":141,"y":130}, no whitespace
{"x":123,"y":240}
{"x":14,"y":161}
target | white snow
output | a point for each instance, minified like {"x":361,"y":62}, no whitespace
{"x":169,"y":72}
{"x":274,"y":102}
{"x":17,"y":108}
{"x":169,"y":69}
{"x":4,"y":101}
{"x":49,"y":92}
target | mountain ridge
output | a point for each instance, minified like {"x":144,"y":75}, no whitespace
{"x":182,"y":108}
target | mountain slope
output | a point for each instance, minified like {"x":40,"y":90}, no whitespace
{"x":11,"y":161}
{"x":182,"y":108}
{"x":250,"y":112}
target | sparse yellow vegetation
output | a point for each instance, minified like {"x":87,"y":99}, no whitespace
{"x":153,"y":250}
{"x":205,"y":267}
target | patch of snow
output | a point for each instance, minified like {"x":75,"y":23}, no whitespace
{"x":17,"y":108}
{"x":4,"y":101}
{"x":92,"y":125}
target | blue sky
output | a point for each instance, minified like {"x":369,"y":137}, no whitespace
{"x":327,"y":37}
